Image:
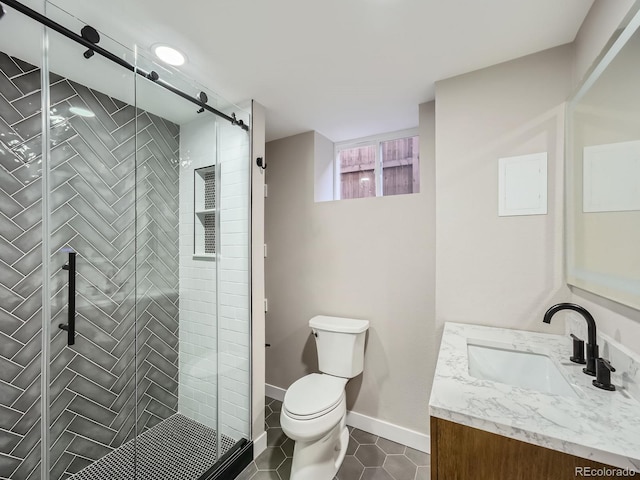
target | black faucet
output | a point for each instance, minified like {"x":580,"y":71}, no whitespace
{"x":592,"y":346}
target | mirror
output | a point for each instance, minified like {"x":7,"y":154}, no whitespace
{"x":603,"y":174}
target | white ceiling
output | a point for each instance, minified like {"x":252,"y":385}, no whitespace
{"x":344,"y":68}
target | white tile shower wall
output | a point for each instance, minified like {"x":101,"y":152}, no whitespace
{"x":197,"y":397}
{"x":234,"y":282}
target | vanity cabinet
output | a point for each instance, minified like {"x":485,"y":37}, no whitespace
{"x":459,"y":452}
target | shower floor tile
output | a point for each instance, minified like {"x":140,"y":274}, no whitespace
{"x":177,"y":448}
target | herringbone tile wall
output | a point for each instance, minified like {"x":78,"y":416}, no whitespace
{"x":94,"y":196}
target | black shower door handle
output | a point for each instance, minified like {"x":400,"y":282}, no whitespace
{"x":70,"y":326}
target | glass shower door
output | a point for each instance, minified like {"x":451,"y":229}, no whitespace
{"x":124,"y":269}
{"x":90,"y":234}
{"x":176,"y":264}
{"x":21,"y":233}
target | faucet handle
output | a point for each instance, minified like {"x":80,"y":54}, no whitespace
{"x":578,"y":350}
{"x":603,"y":374}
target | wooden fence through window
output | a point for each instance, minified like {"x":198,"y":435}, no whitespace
{"x":400,"y":169}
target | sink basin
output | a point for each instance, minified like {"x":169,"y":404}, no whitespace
{"x":521,"y":369}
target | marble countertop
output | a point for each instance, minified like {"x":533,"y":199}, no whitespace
{"x":599,"y":425}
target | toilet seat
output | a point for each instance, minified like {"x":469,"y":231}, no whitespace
{"x":313,"y":395}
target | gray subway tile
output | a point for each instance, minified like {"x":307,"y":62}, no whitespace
{"x":96,"y":353}
{"x":27,"y":82}
{"x":8,"y":66}
{"x":8,"y":88}
{"x":27,"y":376}
{"x":33,"y":313}
{"x":8,"y":275}
{"x":94,"y":105}
{"x":8,"y":441}
{"x":89,"y":389}
{"x":95,"y":431}
{"x":30,"y":350}
{"x":124,"y":115}
{"x":32,"y":415}
{"x":60,"y":403}
{"x":9,"y":184}
{"x":124,"y":132}
{"x":9,"y":208}
{"x":25,"y":242}
{"x":167,"y":398}
{"x":28,"y":216}
{"x":27,"y":105}
{"x":60,"y":92}
{"x":27,"y":442}
{"x":10,"y":116}
{"x":29,"y":266}
{"x":78,"y":464}
{"x":60,"y":464}
{"x":8,"y":417}
{"x":28,"y":465}
{"x":9,"y":393}
{"x":106,"y":102}
{"x":9,"y":346}
{"x":8,"y":370}
{"x":61,"y":359}
{"x":170,"y":137}
{"x":92,"y":370}
{"x":24,"y":66}
{"x":29,"y":127}
{"x":159,"y":409}
{"x":92,"y":410}
{"x":60,"y":383}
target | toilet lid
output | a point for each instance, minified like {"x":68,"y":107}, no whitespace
{"x":314,"y":394}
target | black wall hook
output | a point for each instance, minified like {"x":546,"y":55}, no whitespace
{"x":261,"y":163}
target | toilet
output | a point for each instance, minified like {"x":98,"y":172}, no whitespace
{"x":314,"y":410}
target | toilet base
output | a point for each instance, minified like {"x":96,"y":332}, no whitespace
{"x":320,"y":459}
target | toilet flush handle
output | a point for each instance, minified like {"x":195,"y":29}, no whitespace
{"x":315,"y":334}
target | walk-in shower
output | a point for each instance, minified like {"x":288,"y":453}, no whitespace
{"x":124,"y":263}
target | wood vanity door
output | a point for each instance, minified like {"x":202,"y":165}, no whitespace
{"x":459,"y":452}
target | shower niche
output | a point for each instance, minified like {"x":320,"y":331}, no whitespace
{"x":204,"y":224}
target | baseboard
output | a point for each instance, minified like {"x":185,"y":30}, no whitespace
{"x":276,"y":393}
{"x":259,"y":445}
{"x":390,"y":431}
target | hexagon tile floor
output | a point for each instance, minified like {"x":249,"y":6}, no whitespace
{"x":369,"y":457}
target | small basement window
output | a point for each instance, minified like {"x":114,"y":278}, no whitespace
{"x":378,"y":166}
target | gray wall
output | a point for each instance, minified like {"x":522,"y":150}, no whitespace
{"x":93,"y":212}
{"x":367,"y":258}
{"x":499,"y":271}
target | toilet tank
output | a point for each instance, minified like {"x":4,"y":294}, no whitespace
{"x":340,"y":343}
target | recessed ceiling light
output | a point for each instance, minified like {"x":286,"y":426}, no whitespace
{"x":169,"y":55}
{"x":82,"y":112}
